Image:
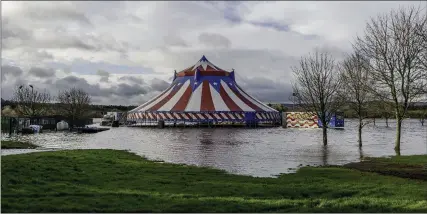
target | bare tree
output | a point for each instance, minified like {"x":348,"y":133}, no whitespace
{"x":421,"y":31}
{"x":355,"y":90}
{"x":315,"y":87}
{"x":393,"y":46}
{"x":31,"y":102}
{"x":75,"y":103}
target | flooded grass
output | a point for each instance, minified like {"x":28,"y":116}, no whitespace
{"x":414,"y":167}
{"x":118,"y":181}
{"x":11,"y":144}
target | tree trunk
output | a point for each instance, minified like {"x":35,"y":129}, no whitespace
{"x":386,"y":122}
{"x":325,"y":135}
{"x":398,"y":134}
{"x":360,"y":153}
{"x":374,"y":122}
{"x":360,"y":132}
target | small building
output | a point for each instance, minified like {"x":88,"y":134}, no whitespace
{"x":311,"y":120}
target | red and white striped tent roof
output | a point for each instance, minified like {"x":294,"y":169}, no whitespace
{"x":203,"y":87}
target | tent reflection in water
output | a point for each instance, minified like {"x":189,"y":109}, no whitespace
{"x":204,"y":94}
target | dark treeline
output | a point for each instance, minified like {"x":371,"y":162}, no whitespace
{"x":94,"y":109}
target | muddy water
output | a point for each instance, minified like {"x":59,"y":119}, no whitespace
{"x":257,"y":152}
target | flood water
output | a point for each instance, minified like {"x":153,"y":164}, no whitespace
{"x":261,"y":152}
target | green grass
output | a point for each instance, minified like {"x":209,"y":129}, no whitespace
{"x":6,"y":144}
{"x":118,"y":181}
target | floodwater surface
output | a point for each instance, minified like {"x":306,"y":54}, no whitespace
{"x":263,"y":152}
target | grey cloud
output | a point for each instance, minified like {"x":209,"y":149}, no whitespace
{"x":259,"y":83}
{"x":273,"y":25}
{"x":41,"y":72}
{"x":129,"y":90}
{"x":336,"y":52}
{"x":214,"y":40}
{"x":104,"y":79}
{"x":7,"y":70}
{"x":51,"y":39}
{"x":104,"y":75}
{"x":61,"y":11}
{"x":13,"y":70}
{"x":267,"y":90}
{"x":122,"y":89}
{"x":132,"y":79}
{"x":48,"y":81}
{"x":174,"y":40}
{"x":9,"y":30}
{"x":159,"y":85}
{"x":41,"y":54}
{"x":135,"y":18}
{"x":73,"y":81}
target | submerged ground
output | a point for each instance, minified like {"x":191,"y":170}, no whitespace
{"x":10,"y":144}
{"x":118,"y":181}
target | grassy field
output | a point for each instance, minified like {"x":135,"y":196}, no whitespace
{"x":6,"y":144}
{"x":118,"y":181}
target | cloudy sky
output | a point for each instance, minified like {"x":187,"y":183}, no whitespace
{"x":126,"y":52}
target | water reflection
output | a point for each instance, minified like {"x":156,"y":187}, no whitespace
{"x":257,"y":152}
{"x":360,"y":153}
{"x":325,"y":153}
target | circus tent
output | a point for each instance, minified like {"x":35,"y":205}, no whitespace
{"x":204,"y":93}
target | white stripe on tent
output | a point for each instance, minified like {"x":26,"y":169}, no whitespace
{"x":195,"y":100}
{"x":217,"y":100}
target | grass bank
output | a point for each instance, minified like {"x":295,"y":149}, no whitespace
{"x":414,"y":167}
{"x":6,"y":144}
{"x":118,"y":181}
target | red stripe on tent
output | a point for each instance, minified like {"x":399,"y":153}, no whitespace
{"x":188,"y":115}
{"x":183,"y":101}
{"x":207,"y":102}
{"x":165,"y":100}
{"x":228,"y":101}
{"x":212,"y":115}
{"x":247,"y":102}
